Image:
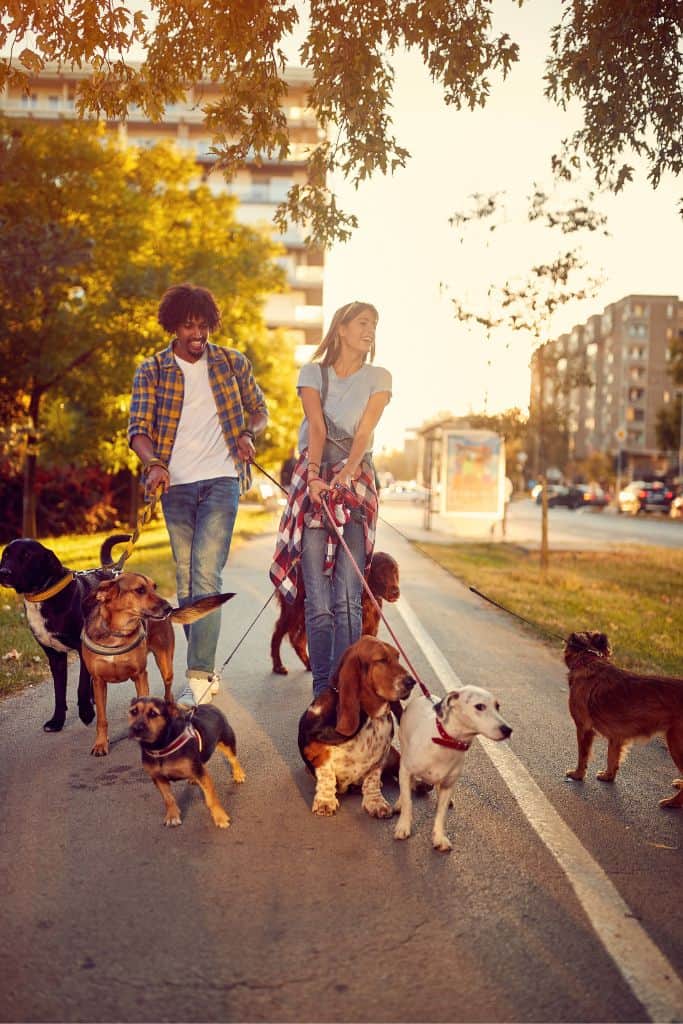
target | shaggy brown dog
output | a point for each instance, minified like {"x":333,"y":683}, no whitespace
{"x":383,"y":580}
{"x":621,"y":706}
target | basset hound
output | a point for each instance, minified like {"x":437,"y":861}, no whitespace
{"x":345,"y":733}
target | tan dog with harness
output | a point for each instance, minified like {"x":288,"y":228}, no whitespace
{"x":125,"y":619}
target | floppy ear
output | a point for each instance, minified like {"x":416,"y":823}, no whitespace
{"x":601,"y":644}
{"x":348,"y":683}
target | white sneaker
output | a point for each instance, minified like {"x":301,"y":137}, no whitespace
{"x":201,"y":689}
{"x":215,"y":681}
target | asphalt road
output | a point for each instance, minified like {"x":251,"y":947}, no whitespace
{"x":559,"y":902}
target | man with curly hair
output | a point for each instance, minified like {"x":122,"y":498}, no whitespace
{"x":194,"y":415}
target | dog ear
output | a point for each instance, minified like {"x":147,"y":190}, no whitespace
{"x":349,"y":683}
{"x":601,"y":643}
{"x":106,"y":591}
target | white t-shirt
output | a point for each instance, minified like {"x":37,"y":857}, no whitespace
{"x":347,"y":397}
{"x":199,"y":450}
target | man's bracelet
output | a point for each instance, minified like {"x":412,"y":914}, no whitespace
{"x":248,"y":433}
{"x":155,"y":462}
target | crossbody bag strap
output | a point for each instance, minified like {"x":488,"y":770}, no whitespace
{"x":324,"y":384}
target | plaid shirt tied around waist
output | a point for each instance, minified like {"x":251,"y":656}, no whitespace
{"x":301,"y":512}
{"x":157,"y":401}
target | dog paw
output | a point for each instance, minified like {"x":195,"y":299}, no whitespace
{"x":100,"y":750}
{"x":402,"y":831}
{"x":576,"y":775}
{"x":221,"y":819}
{"x":238,"y":775}
{"x":280,"y":670}
{"x":381,"y":809}
{"x":173,"y":819}
{"x":55,"y":724}
{"x":86,"y":713}
{"x":324,"y":809}
{"x":606,"y":776}
{"x":442,"y":844}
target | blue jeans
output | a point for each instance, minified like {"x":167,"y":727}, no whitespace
{"x":200,"y":518}
{"x":333,"y":605}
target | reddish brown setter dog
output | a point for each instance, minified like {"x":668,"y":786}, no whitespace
{"x":621,"y":706}
{"x":383,"y":581}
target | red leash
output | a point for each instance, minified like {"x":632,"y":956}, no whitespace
{"x":324,"y":502}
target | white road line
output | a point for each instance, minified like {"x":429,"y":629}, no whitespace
{"x":647,"y":972}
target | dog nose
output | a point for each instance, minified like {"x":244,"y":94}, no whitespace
{"x":409,"y":683}
{"x":506,"y":731}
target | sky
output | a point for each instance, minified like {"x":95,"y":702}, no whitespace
{"x":408,"y":261}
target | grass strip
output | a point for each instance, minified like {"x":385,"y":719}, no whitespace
{"x":22,"y":662}
{"x":634,"y":595}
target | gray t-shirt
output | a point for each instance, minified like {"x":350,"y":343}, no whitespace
{"x":347,"y":397}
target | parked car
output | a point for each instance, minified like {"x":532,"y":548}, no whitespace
{"x":676,"y":510}
{"x":593,"y":496}
{"x":645,"y":496}
{"x":561,"y":495}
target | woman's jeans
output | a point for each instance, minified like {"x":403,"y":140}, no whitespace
{"x":333,"y":605}
{"x":200,"y":518}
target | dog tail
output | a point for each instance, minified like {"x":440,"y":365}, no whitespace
{"x":199,"y":608}
{"x":109,"y":544}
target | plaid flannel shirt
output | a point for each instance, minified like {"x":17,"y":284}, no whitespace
{"x":157,"y":401}
{"x":289,"y":543}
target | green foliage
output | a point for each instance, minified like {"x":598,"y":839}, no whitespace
{"x":668,"y":425}
{"x":621,"y":61}
{"x":93,"y":235}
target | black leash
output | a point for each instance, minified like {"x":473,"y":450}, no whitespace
{"x":520,"y":617}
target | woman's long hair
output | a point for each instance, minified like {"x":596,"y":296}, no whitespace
{"x":328,"y":349}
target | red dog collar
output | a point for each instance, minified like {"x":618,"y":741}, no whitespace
{"x":444,"y":740}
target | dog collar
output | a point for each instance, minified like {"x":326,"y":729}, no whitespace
{"x":188,"y":733}
{"x":56,"y":588}
{"x":444,"y":740}
{"x":123,"y":649}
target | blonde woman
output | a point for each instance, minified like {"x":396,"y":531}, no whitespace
{"x":343,"y":397}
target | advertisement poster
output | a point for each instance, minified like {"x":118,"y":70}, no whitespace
{"x":475,"y":473}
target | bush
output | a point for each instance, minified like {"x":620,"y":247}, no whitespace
{"x":69,"y":500}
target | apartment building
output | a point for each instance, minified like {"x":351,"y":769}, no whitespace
{"x":258,"y":188}
{"x":609,"y":377}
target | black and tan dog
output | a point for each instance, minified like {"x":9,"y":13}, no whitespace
{"x":124,"y":620}
{"x":53,"y":596}
{"x":622,"y":706}
{"x":176,"y":745}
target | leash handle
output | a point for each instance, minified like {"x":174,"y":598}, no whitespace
{"x":370,"y":594}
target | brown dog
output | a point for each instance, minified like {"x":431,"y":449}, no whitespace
{"x":383,"y":580}
{"x":125,"y":619}
{"x":621,"y":706}
{"x":176,"y":745}
{"x":345,"y":733}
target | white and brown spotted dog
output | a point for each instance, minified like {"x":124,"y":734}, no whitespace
{"x":434,"y":740}
{"x":345,"y":733}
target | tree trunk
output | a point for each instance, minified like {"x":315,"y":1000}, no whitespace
{"x":29,"y":522}
{"x":541,"y":451}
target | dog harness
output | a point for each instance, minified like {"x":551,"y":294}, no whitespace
{"x":444,"y":740}
{"x":188,"y":733}
{"x":56,"y":588}
{"x":128,"y":646}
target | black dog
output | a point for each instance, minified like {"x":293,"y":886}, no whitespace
{"x":55,"y":619}
{"x":176,"y":745}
